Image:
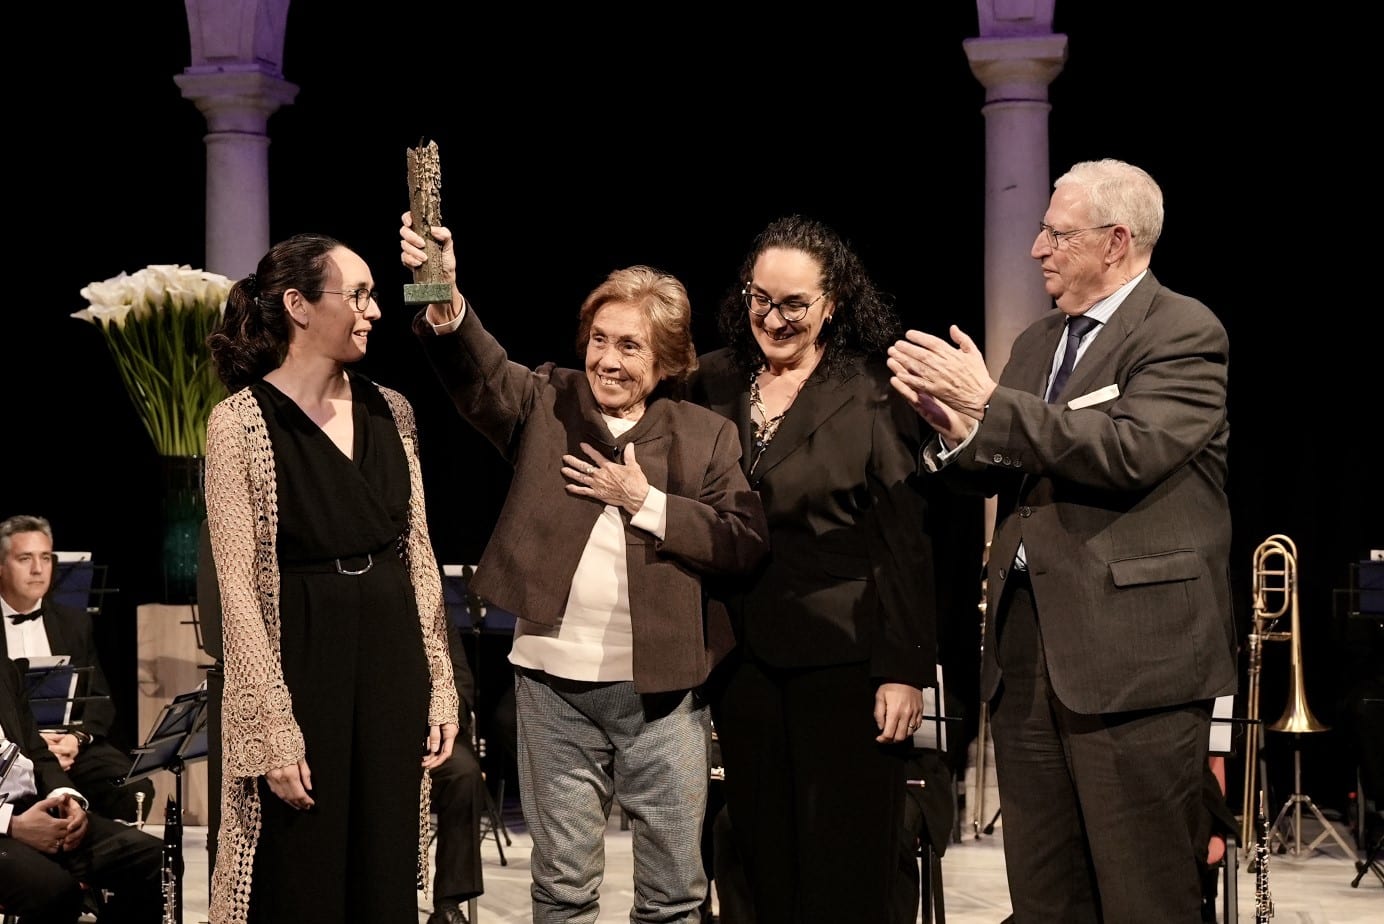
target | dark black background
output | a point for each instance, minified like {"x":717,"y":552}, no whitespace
{"x":575,"y":142}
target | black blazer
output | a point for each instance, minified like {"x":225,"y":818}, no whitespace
{"x":849,"y":576}
{"x":17,"y":720}
{"x":70,"y":633}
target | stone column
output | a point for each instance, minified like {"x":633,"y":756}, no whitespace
{"x":236,"y":81}
{"x":1016,"y":57}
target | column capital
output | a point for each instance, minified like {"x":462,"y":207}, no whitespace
{"x":1017,"y":68}
{"x":1015,"y":17}
{"x":233,"y":33}
{"x":236,"y":100}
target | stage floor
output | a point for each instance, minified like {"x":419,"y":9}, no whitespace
{"x":1313,"y":888}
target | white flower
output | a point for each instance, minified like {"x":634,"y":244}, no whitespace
{"x":156,"y":322}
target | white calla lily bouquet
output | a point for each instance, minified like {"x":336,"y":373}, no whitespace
{"x":156,"y":322}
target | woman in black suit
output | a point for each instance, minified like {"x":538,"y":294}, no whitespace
{"x":837,"y":631}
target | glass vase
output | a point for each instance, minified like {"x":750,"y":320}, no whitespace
{"x":184,"y":509}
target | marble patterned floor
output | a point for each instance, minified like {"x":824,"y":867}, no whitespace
{"x":1310,"y":888}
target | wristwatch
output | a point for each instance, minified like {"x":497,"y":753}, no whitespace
{"x":83,"y":739}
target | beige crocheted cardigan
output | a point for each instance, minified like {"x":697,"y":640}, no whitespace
{"x":259,"y":731}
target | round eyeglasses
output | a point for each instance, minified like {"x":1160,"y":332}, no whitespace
{"x":360,"y":299}
{"x":791,"y":311}
{"x":1055,"y":237}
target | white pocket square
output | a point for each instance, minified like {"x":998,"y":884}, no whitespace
{"x":1100,"y":395}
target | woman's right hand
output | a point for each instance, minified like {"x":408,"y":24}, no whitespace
{"x":291,"y":783}
{"x":413,"y":254}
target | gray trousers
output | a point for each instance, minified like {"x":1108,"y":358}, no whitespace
{"x":579,"y":744}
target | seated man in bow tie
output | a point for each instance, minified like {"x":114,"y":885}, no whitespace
{"x":50,"y":846}
{"x":36,"y":626}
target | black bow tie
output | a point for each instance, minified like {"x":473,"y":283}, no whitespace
{"x":18,"y":618}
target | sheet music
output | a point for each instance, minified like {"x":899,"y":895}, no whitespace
{"x":48,"y":661}
{"x":68,"y":557}
{"x":1220,"y":731}
{"x":932,"y":734}
{"x":52,"y":688}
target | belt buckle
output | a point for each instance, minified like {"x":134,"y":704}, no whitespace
{"x":369,"y":563}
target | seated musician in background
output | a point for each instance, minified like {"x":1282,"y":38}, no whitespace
{"x":458,"y":798}
{"x":50,"y":845}
{"x":35,"y":626}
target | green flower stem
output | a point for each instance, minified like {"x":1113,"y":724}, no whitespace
{"x":166,"y":368}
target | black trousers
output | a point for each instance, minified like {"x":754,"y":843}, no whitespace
{"x":458,"y":798}
{"x":1104,"y":816}
{"x":815,"y":804}
{"x":42,"y":888}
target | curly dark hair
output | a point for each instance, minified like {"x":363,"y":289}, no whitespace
{"x":252,"y":338}
{"x":865,"y":322}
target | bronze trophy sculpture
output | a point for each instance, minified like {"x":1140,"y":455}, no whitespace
{"x":425,"y":205}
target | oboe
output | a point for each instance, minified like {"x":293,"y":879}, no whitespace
{"x":172,"y":863}
{"x":1263,"y":902}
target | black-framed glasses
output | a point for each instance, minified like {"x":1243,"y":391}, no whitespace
{"x":360,"y":299}
{"x":1055,"y":237}
{"x":791,"y":311}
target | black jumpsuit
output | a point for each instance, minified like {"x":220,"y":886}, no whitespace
{"x":354,"y":663}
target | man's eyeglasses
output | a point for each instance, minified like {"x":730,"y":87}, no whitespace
{"x":360,"y":299}
{"x":761,"y":305}
{"x":1055,"y":237}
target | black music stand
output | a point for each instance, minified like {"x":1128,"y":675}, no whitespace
{"x":1221,"y":743}
{"x":52,"y":692}
{"x":178,"y":738}
{"x":932,"y":737}
{"x":80,"y":583}
{"x":468,"y":612}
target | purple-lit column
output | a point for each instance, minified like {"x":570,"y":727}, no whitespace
{"x":1015,"y":58}
{"x":236,"y":81}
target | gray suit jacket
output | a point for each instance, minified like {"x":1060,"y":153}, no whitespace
{"x":1121,"y":505}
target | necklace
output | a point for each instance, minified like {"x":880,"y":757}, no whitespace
{"x":762,"y":426}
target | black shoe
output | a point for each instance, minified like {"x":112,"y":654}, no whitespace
{"x":452,"y":914}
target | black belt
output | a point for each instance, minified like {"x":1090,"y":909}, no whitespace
{"x":349,"y":565}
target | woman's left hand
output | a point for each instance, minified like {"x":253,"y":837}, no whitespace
{"x":439,"y":746}
{"x":610,"y":482}
{"x":898,"y":711}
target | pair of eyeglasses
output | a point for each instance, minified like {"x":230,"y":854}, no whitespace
{"x":360,"y":299}
{"x":1055,"y":237}
{"x":761,"y":305}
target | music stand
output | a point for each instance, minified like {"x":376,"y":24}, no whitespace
{"x":469,"y":612}
{"x":931,"y":735}
{"x":1220,"y":743}
{"x":79,"y":583}
{"x":50,"y":685}
{"x":179,"y":737}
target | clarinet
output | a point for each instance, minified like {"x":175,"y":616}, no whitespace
{"x":172,"y":876}
{"x":1263,"y":902}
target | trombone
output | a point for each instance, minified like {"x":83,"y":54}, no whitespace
{"x":1274,"y":594}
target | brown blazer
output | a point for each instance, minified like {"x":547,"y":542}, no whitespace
{"x":715,"y":526}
